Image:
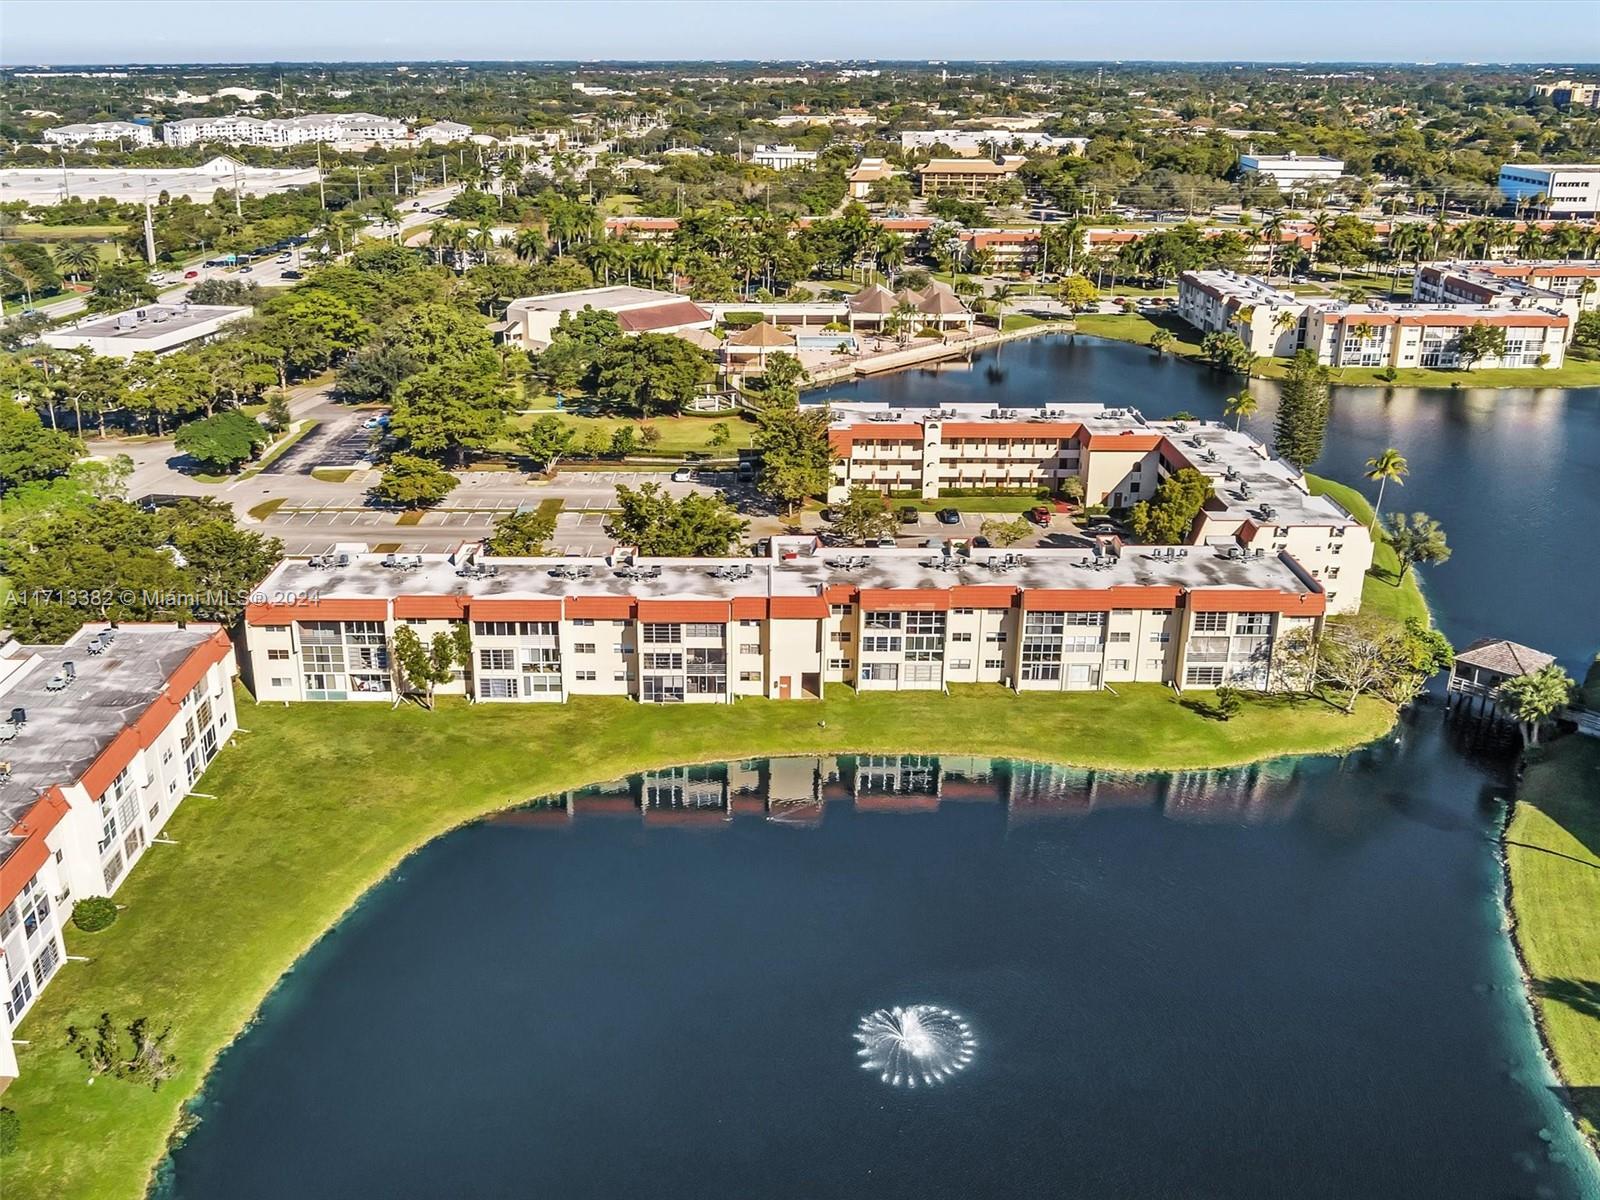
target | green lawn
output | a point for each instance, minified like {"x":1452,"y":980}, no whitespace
{"x":1553,"y":857}
{"x":1577,"y":372}
{"x":679,"y":435}
{"x":316,"y":803}
{"x":28,"y":232}
{"x":1380,"y":593}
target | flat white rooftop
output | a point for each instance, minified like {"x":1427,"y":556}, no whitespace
{"x":152,"y":322}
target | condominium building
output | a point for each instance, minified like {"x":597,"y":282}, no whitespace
{"x":1475,"y":284}
{"x":105,"y":737}
{"x":130,"y":132}
{"x":240,"y":130}
{"x":1556,"y":189}
{"x":783,"y":626}
{"x":1568,"y":93}
{"x":1265,"y":318}
{"x":1119,"y":458}
{"x":1373,"y":334}
{"x":782,"y":158}
{"x":1572,"y":284}
{"x":1291,"y":169}
{"x":967,"y":178}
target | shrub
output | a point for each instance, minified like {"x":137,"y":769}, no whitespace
{"x":94,"y":913}
{"x":10,"y":1131}
{"x":1388,"y":374}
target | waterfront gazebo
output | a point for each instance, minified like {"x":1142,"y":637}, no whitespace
{"x":756,"y":342}
{"x":871,"y":306}
{"x":1482,"y":667}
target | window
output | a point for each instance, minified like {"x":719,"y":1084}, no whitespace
{"x":584,"y":622}
{"x":1211,"y":622}
{"x":997,"y":639}
{"x":840,"y":636}
{"x":663,"y":689}
{"x":113,"y":870}
{"x":881,"y":620}
{"x":1117,"y":664}
{"x":961,"y":664}
{"x":880,"y":672}
{"x":1042,"y":640}
{"x":702,"y":630}
{"x":1253,"y":624}
{"x":277,"y":681}
{"x":494,"y":628}
{"x":155,"y":810}
{"x":747,"y":623}
{"x":45,"y":965}
{"x":662,"y":661}
{"x":922,"y":672}
{"x":749,"y":676}
{"x":1160,"y":639}
{"x":994,"y":664}
{"x":497,"y":660}
{"x":659,"y":633}
{"x":1153,"y":664}
{"x":416,"y":620}
{"x":838,"y":664}
{"x":839,"y":610}
{"x":960,"y":637}
{"x":583,"y":648}
{"x":585,"y":676}
{"x":925,"y":636}
{"x":619,"y":648}
{"x":277,"y":656}
{"x":21,"y":993}
{"x":490,"y":688}
{"x":880,"y":645}
{"x":1203,"y":676}
{"x":750,"y":648}
{"x":1333,"y":572}
{"x":619,"y":677}
{"x":1120,"y":638}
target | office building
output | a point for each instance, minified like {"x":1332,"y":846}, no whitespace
{"x":1553,"y":190}
{"x":1293,"y":170}
{"x":157,"y":328}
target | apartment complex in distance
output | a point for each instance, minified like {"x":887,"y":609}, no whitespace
{"x":105,"y":737}
{"x":240,"y":130}
{"x":1569,"y":285}
{"x":1555,"y":189}
{"x":130,"y":132}
{"x":1120,"y":459}
{"x":1373,"y":334}
{"x":1568,"y":93}
{"x":782,"y":158}
{"x":782,"y":626}
{"x":966,"y":178}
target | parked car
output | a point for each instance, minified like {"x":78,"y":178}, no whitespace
{"x":1103,"y":529}
{"x":682,"y":475}
{"x":291,"y":275}
{"x":191,"y":274}
{"x":981,"y":543}
{"x":1039,"y":514}
{"x":948,"y":516}
{"x":885,"y":543}
{"x":246,"y":269}
{"x":908,"y":515}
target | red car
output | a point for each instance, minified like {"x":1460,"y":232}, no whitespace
{"x":191,"y":274}
{"x":1039,"y":514}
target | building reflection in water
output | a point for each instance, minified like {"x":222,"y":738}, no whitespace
{"x":802,"y":790}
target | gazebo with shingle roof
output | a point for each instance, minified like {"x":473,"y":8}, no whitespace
{"x":872,"y":305}
{"x":756,"y":341}
{"x":1482,"y":667}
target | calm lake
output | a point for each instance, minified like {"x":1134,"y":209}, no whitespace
{"x":1284,"y":980}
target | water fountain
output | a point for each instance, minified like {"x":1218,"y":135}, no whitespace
{"x":921,"y":1043}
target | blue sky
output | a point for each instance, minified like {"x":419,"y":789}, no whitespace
{"x":157,"y":31}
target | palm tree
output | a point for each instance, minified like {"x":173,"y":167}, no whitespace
{"x":528,"y":245}
{"x":1239,"y":407}
{"x":1272,"y":234}
{"x":1391,"y":464}
{"x":76,"y":259}
{"x":1321,"y":225}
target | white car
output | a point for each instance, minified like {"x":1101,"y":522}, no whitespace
{"x":682,"y":475}
{"x":160,"y":277}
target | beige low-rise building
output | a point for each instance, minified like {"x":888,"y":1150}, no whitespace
{"x":783,"y":626}
{"x":530,"y":322}
{"x":967,"y":178}
{"x":1119,"y":459}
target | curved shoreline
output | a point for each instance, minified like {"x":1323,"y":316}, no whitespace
{"x":270,"y":779}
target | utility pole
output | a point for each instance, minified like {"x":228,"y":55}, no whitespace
{"x":238,"y":210}
{"x":149,"y":234}
{"x":322,"y":190}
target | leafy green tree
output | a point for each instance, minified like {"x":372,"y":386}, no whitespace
{"x":1239,"y":407}
{"x":278,"y":415}
{"x":796,"y":458}
{"x":1005,"y":533}
{"x":624,"y":441}
{"x":546,"y":440}
{"x":652,"y":373}
{"x":1226,"y":703}
{"x":721,"y":436}
{"x":436,"y":335}
{"x":1416,"y":538}
{"x":523,"y":534}
{"x":1162,"y":340}
{"x":1586,"y":333}
{"x":579,"y":339}
{"x":225,"y":291}
{"x":1168,"y":516}
{"x":1302,"y":412}
{"x":863,"y":517}
{"x":423,"y":667}
{"x":1078,"y":292}
{"x":29,"y":451}
{"x":1227,"y":352}
{"x":222,"y":442}
{"x":781,"y":378}
{"x":1536,"y":697}
{"x":699,"y":524}
{"x":173,"y":387}
{"x":120,"y":285}
{"x":312,"y":327}
{"x":413,"y":482}
{"x":373,"y":374}
{"x":1479,"y":342}
{"x":596,"y":443}
{"x":449,"y":412}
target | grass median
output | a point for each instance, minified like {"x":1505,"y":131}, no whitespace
{"x":316,"y":803}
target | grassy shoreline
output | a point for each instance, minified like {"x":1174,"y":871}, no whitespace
{"x":1551,"y":847}
{"x":1576,"y":372}
{"x":212,"y":923}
